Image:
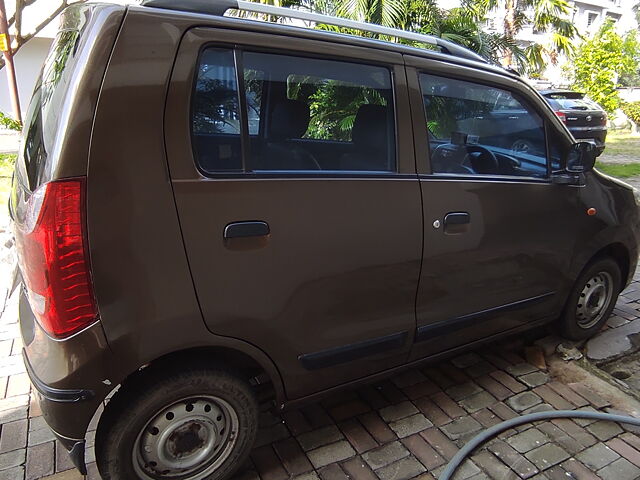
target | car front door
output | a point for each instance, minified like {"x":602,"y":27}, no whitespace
{"x":294,"y":178}
{"x":498,"y":234}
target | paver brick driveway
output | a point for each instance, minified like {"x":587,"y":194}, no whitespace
{"x":406,"y":427}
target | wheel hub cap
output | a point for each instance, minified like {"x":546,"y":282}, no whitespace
{"x":594,"y":300}
{"x":186,"y":440}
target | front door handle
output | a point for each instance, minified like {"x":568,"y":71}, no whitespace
{"x":456,"y":223}
{"x":246,"y":229}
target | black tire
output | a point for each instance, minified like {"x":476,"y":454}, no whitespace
{"x":576,"y":323}
{"x":130,"y":415}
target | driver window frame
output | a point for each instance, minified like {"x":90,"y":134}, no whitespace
{"x":422,"y":145}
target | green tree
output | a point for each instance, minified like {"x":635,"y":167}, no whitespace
{"x":462,"y":26}
{"x":551,"y":16}
{"x":600,"y":61}
{"x":459,"y":25}
{"x":48,"y":9}
{"x":274,"y":3}
{"x":391,"y":13}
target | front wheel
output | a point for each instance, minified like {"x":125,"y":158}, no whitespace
{"x":191,"y":425}
{"x":592,"y":299}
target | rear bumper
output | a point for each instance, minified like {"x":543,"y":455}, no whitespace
{"x":75,"y":447}
{"x":71,"y":378}
{"x":595,"y":134}
{"x":55,"y":394}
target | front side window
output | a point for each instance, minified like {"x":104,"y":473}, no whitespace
{"x":475,"y":129}
{"x":302,"y":114}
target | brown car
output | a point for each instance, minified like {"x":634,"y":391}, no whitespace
{"x":206,"y":206}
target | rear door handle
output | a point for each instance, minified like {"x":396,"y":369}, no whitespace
{"x":246,"y":229}
{"x":456,"y":223}
{"x":457,"y":218}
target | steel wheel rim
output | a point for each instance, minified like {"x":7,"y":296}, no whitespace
{"x":186,"y":440}
{"x":594,"y":299}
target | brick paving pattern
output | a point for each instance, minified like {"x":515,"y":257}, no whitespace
{"x":407,"y":427}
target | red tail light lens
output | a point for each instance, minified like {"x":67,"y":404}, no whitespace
{"x":562,"y":116}
{"x":53,"y":258}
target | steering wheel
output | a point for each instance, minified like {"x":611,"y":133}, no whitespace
{"x":451,"y":158}
{"x":482,"y":159}
{"x":448,"y":158}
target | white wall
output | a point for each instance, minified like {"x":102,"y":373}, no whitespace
{"x":28,"y":62}
{"x":630,"y":94}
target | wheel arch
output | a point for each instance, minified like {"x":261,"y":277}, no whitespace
{"x":233,"y":359}
{"x":265,"y":379}
{"x":618,"y":252}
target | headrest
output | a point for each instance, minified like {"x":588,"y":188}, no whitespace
{"x":289,"y":119}
{"x":370,"y":128}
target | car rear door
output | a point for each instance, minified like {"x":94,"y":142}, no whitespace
{"x":296,"y":244}
{"x":498,"y":234}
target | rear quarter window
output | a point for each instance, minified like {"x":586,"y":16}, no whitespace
{"x":47,"y":103}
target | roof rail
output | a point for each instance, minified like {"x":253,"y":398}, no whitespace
{"x":219,"y":8}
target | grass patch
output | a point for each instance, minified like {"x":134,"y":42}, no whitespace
{"x":7,"y":161}
{"x":620,"y":170}
{"x":622,"y":143}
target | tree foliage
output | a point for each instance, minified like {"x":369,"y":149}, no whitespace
{"x":16,"y":28}
{"x":600,"y":61}
{"x":462,"y":26}
{"x":459,"y":25}
{"x":632,"y":111}
{"x":9,"y":123}
{"x":549,"y":16}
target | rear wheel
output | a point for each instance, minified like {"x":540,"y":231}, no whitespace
{"x":189,"y":425}
{"x":592,"y":299}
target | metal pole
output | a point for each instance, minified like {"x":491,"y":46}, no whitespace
{"x":5,"y":46}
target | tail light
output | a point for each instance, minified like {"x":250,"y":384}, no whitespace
{"x":562,"y":116}
{"x":604,"y":119}
{"x":52,"y":250}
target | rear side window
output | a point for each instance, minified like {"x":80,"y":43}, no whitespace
{"x":302,"y":114}
{"x":480,"y":130}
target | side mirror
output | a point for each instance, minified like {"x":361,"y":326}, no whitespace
{"x":581,"y":157}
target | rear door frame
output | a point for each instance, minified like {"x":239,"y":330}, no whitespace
{"x":179,"y":147}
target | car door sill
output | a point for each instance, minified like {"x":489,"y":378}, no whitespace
{"x":314,"y":397}
{"x":354,"y":351}
{"x":428,"y":332}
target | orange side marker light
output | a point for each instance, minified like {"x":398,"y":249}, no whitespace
{"x":591,"y":211}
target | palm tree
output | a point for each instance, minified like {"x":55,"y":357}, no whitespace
{"x":390,"y":13}
{"x":462,"y":27}
{"x":550,"y":16}
{"x":424,"y":16}
{"x":274,"y":3}
{"x":459,"y":25}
